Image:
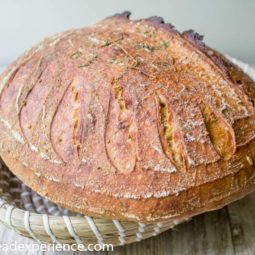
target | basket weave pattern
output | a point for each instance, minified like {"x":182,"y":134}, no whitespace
{"x":33,"y":216}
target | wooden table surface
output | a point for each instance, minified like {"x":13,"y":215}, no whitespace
{"x":230,"y":230}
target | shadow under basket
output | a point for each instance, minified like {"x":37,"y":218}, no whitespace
{"x":33,"y":216}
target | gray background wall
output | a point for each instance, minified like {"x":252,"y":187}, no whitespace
{"x":228,"y":25}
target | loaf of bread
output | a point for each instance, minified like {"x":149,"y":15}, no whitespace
{"x":129,"y":120}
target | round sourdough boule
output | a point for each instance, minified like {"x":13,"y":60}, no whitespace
{"x":129,"y":120}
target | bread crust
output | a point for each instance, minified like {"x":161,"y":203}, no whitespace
{"x":129,"y":120}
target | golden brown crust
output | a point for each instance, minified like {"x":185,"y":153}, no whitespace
{"x":131,"y":120}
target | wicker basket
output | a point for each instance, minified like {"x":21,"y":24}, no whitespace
{"x":33,"y":216}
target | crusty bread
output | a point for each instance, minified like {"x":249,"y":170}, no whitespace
{"x":129,"y":120}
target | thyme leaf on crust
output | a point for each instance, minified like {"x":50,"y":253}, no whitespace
{"x":151,"y":48}
{"x":77,"y":54}
{"x":89,"y":62}
{"x":111,"y":40}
